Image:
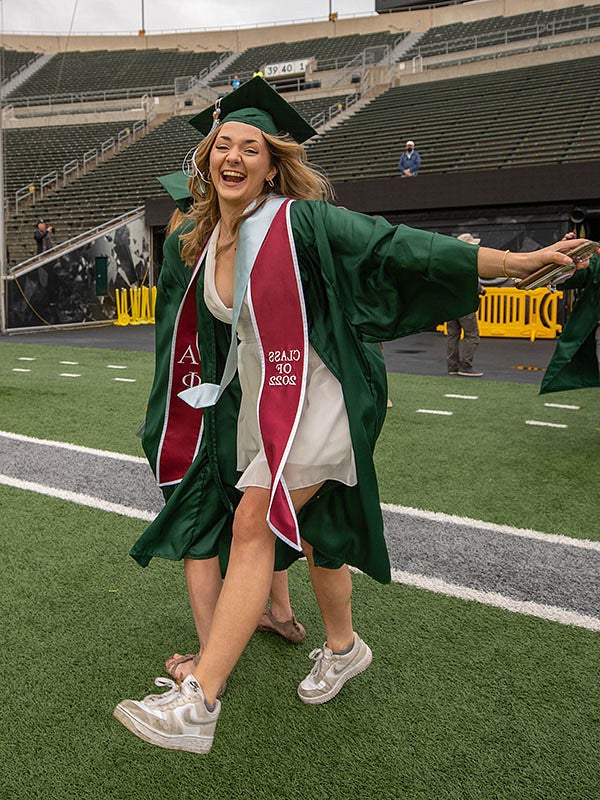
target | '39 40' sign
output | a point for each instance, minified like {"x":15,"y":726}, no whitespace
{"x":286,"y":68}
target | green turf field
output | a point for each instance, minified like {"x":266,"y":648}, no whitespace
{"x":462,"y":700}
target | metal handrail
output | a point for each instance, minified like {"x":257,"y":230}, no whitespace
{"x":73,"y":166}
{"x":61,"y":249}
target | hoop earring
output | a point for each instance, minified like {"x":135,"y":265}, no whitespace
{"x":271,"y":182}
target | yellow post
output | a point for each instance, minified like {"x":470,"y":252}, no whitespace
{"x":135,"y":300}
{"x":123,"y":317}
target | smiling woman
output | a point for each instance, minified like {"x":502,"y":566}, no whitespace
{"x":264,"y":458}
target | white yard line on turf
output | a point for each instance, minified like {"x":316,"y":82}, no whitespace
{"x":79,"y":499}
{"x":527,"y":607}
{"x":562,"y":405}
{"x":545,"y":424}
{"x":77,"y":448}
{"x":463,"y":396}
{"x":492,"y":527}
{"x":432,"y":411}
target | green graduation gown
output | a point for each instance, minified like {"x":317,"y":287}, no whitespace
{"x":364,"y":281}
{"x":574,"y":364}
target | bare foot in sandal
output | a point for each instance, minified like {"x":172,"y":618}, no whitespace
{"x":179,"y":667}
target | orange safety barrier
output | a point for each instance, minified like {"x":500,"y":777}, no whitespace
{"x":518,"y":314}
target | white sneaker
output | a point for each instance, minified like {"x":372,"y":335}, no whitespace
{"x":178,"y":720}
{"x":331,"y":671}
{"x":163,"y":697}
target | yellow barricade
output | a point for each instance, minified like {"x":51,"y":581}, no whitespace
{"x":136,"y":307}
{"x":121,"y":304}
{"x":148,"y":303}
{"x":135,"y":301}
{"x":518,"y":314}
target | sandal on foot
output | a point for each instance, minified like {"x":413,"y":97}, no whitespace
{"x":290,"y":629}
{"x":171,"y":664}
{"x":177,"y":660}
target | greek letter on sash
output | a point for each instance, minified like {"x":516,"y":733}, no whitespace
{"x":183,"y":425}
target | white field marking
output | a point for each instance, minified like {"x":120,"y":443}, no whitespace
{"x":492,"y":527}
{"x":432,"y":411}
{"x":527,"y":607}
{"x":463,"y":396}
{"x":562,"y":405}
{"x":25,"y":358}
{"x":20,"y":369}
{"x":115,"y":366}
{"x":545,"y":424}
{"x":69,"y":363}
{"x":125,"y":380}
{"x":79,"y":499}
{"x":18,"y":437}
{"x":69,"y":375}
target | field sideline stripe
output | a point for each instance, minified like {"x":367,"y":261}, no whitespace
{"x":77,"y":448}
{"x":79,"y":499}
{"x":493,"y":527}
{"x":526,"y":607}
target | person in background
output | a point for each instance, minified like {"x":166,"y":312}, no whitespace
{"x":575,"y":363}
{"x":460,"y":353}
{"x":42,"y":236}
{"x":410,"y":161}
{"x":236,"y":82}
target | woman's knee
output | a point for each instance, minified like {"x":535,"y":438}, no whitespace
{"x":250,"y":520}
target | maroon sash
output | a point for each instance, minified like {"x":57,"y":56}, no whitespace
{"x":276,"y":303}
{"x":183,"y":425}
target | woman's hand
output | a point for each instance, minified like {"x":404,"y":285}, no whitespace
{"x":497,"y":263}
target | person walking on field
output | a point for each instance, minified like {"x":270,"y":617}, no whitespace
{"x":460,"y":354}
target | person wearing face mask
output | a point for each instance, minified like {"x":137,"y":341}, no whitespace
{"x":410,"y":161}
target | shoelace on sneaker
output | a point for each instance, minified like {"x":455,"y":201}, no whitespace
{"x":322,"y":657}
{"x":163,"y":697}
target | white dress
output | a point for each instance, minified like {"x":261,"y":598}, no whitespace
{"x":322,"y":448}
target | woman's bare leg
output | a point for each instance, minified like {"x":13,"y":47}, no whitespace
{"x":245,"y":588}
{"x":333,"y":590}
{"x":281,"y":606}
{"x":203,"y":579}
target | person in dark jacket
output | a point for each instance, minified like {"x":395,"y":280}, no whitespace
{"x":42,"y":236}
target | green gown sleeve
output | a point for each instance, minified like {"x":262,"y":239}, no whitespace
{"x":390,"y":280}
{"x":574,"y":364}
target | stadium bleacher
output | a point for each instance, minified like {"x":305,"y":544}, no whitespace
{"x":329,"y":53}
{"x":494,"y":119}
{"x":501,"y":30}
{"x":504,"y":119}
{"x":112,"y":70}
{"x":13,"y":61}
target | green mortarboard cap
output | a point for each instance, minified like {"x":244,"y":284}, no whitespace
{"x":176,"y":184}
{"x":256,"y":103}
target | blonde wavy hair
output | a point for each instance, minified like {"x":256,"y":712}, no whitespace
{"x":295,"y":178}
